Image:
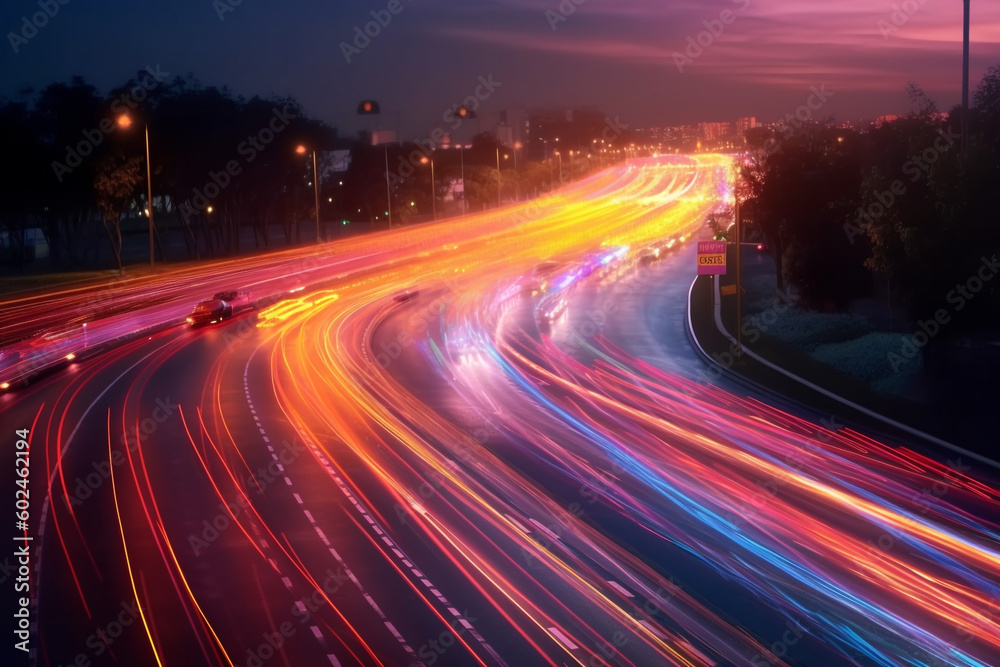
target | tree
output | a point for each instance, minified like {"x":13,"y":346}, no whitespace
{"x":798,"y":192}
{"x":114,"y":187}
{"x":987,"y":110}
{"x":66,"y":119}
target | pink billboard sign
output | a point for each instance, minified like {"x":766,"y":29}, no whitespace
{"x":711,"y":258}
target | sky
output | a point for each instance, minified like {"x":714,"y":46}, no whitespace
{"x":648,"y":62}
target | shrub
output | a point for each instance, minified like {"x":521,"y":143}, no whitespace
{"x":866,"y":358}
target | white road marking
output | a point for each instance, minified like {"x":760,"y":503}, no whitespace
{"x":558,"y":634}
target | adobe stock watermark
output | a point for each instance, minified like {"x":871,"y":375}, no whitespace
{"x":533,"y":210}
{"x":425,"y":147}
{"x":431,"y":486}
{"x":562,"y":13}
{"x":229,"y":512}
{"x":790,"y":125}
{"x":899,"y":17}
{"x":958,"y":297}
{"x":248,"y":149}
{"x":418,"y":324}
{"x":917,"y":167}
{"x":697,"y":44}
{"x":87,"y":484}
{"x":924,"y":500}
{"x":989,"y":617}
{"x":223,"y":7}
{"x":794,"y":461}
{"x":431,"y":652}
{"x":30,"y":26}
{"x":381,"y":18}
{"x":101,"y":641}
{"x":119,"y":106}
{"x":779,"y":648}
{"x":751,"y":330}
{"x":271,"y":643}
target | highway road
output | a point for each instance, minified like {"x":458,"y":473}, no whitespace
{"x":483,"y":442}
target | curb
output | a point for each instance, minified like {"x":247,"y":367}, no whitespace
{"x":730,"y":373}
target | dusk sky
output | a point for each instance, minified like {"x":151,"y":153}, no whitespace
{"x":614,"y":55}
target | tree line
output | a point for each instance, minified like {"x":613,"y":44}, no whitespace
{"x":220,"y":164}
{"x":899,"y":210}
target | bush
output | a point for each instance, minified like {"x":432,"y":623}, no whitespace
{"x":807,"y":331}
{"x":867,"y":359}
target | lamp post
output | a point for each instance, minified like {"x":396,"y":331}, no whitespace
{"x":388,"y":188}
{"x":559,"y":155}
{"x":499,"y":183}
{"x":517,"y":189}
{"x":739,"y":286}
{"x":372,"y":108}
{"x":462,"y":148}
{"x":301,"y":150}
{"x":427,"y":160}
{"x":125,"y":121}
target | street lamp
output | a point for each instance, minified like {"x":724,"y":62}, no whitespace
{"x":499,"y":186}
{"x":739,"y":286}
{"x":124,"y":122}
{"x":462,"y":148}
{"x":301,"y":150}
{"x":427,"y":160}
{"x":371,"y":108}
{"x":559,"y":155}
{"x":517,"y":191}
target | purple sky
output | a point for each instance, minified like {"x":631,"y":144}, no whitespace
{"x":617,"y":55}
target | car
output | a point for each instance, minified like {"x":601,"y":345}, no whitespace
{"x":240,"y":300}
{"x":210,"y":311}
{"x":541,"y":277}
{"x":650,"y":255}
{"x":406,"y":296}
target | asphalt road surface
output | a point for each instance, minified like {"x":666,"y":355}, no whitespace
{"x":483,"y":442}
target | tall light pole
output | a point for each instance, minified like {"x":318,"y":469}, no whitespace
{"x":426,"y":160}
{"x":499,"y":185}
{"x":462,"y":157}
{"x":559,"y":155}
{"x":388,"y":188}
{"x":965,"y":80}
{"x":301,"y":150}
{"x":517,"y":190}
{"x":124,"y":121}
{"x":372,"y":108}
{"x":739,"y":274}
{"x":149,"y":196}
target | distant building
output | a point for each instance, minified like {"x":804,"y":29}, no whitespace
{"x":509,"y":126}
{"x":713,"y":132}
{"x":565,"y":130}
